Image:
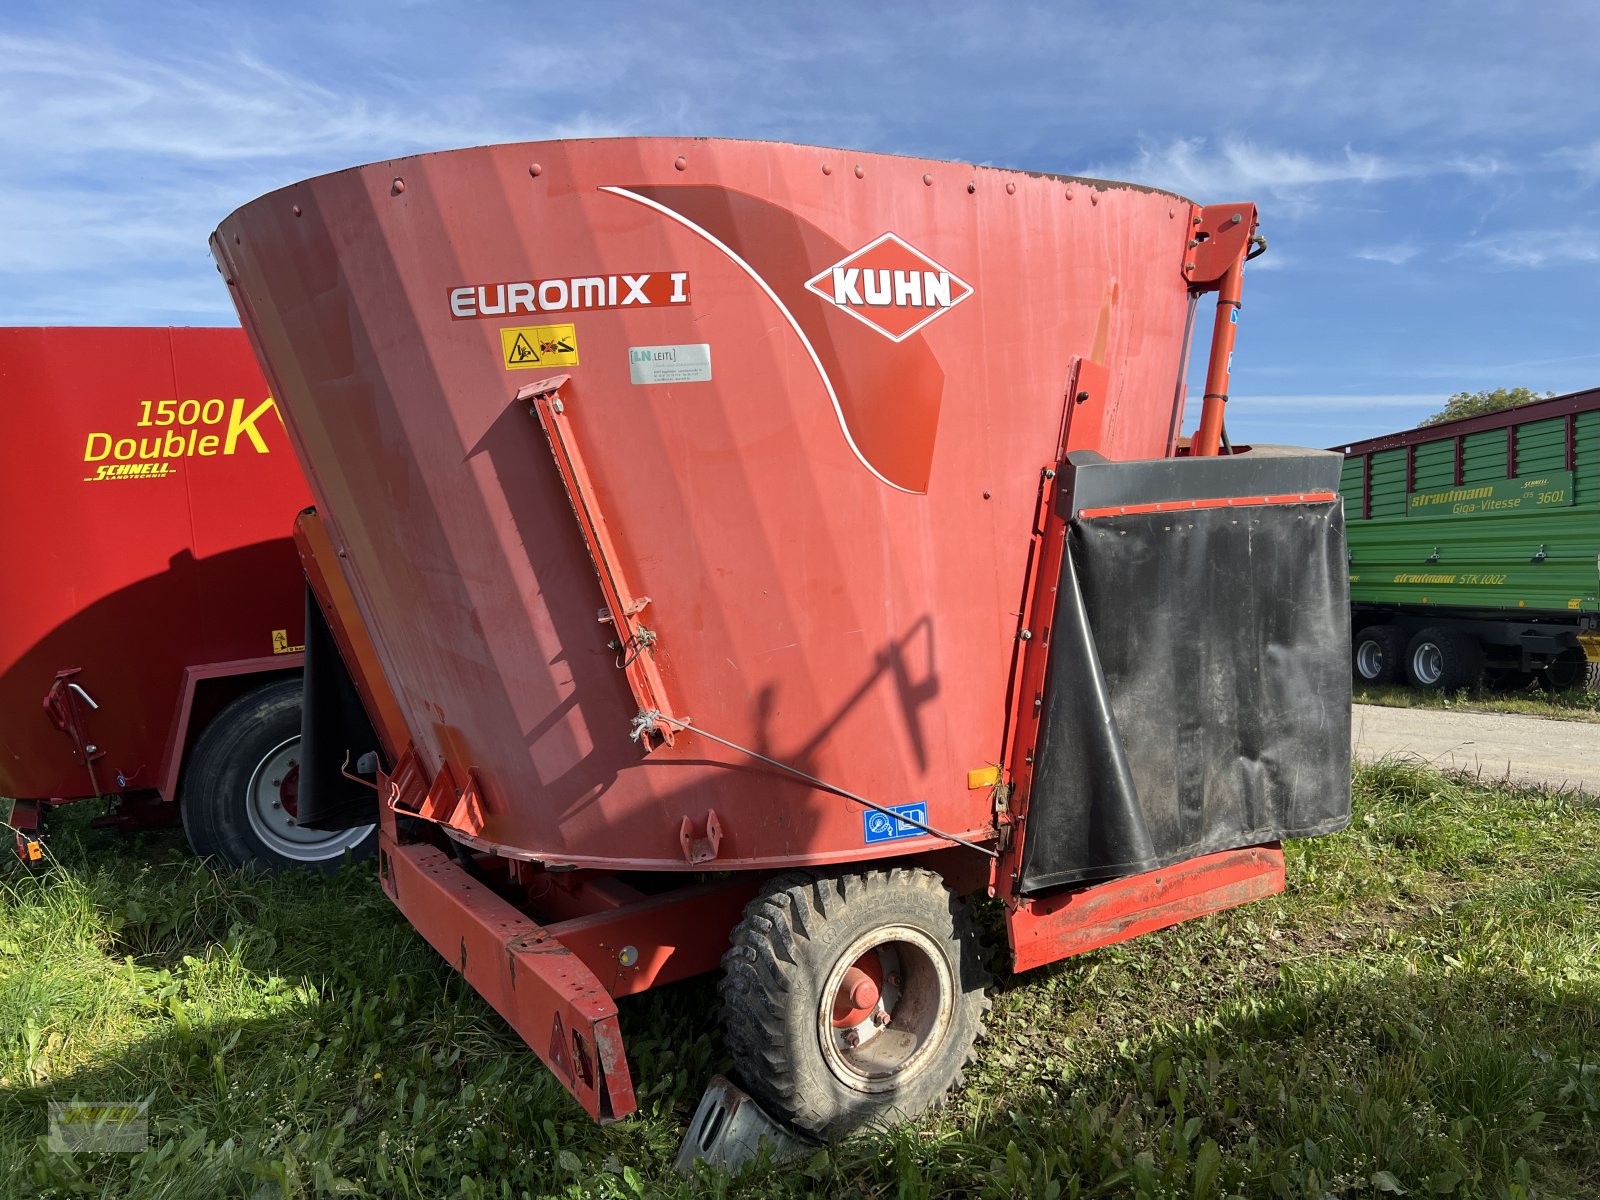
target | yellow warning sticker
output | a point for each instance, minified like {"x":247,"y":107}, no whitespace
{"x":280,"y":643}
{"x":539,"y":346}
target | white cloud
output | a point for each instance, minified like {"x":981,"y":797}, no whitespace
{"x":1396,"y":254}
{"x":1235,"y":167}
{"x":1462,"y":372}
{"x":1537,"y":248}
{"x":1583,"y":159}
{"x":1273,"y":260}
{"x":119,"y":163}
{"x":1190,"y":166}
{"x":126,"y":132}
{"x":1320,"y":419}
{"x":85,"y":99}
{"x":1330,"y":402}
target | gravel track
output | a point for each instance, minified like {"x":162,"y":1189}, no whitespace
{"x":1498,"y":746}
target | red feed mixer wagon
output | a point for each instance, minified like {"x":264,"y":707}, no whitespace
{"x":153,"y":602}
{"x":748,"y":551}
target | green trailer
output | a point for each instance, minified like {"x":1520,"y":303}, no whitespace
{"x":1475,"y":548}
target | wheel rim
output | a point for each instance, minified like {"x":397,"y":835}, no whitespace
{"x":1562,"y":675}
{"x":885,"y":1008}
{"x":1369,"y":660}
{"x":271,"y":805}
{"x":1427,"y":664}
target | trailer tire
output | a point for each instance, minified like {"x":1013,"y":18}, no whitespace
{"x":1443,"y":660}
{"x":238,"y":793}
{"x":1378,"y":654}
{"x":1567,"y":670}
{"x":815,"y":963}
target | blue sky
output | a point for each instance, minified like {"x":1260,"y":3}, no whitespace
{"x":1428,"y":173}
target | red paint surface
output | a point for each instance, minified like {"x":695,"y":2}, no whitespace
{"x":833,"y":575}
{"x":548,"y":993}
{"x":543,"y":990}
{"x":133,"y":580}
{"x":1123,"y":510}
{"x":1072,"y":922}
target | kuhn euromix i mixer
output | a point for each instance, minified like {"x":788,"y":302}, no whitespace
{"x":746,"y":551}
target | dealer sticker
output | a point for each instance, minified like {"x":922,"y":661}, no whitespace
{"x":670,"y":364}
{"x":881,"y":827}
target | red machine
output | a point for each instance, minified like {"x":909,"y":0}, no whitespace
{"x":747,"y":550}
{"x":154,"y":604}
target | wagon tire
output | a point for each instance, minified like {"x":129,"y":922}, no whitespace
{"x":816,"y":965}
{"x":240,"y":784}
{"x":1569,"y":669}
{"x":1378,"y":654}
{"x":1443,"y":660}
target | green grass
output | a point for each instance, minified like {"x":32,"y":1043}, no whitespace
{"x":1573,"y":705}
{"x":1418,"y":1015}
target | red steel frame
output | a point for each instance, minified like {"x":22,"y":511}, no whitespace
{"x":553,"y":964}
{"x":552,"y":958}
{"x":1221,"y":242}
{"x":555,"y":982}
{"x":622,"y":605}
{"x":1045,"y":929}
{"x":193,"y":677}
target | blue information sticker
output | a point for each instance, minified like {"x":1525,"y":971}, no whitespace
{"x":880,"y":827}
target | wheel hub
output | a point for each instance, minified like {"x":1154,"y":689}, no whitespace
{"x":887,"y":1007}
{"x":272,"y":806}
{"x":1369,"y":660}
{"x":1428,"y":664}
{"x":289,"y":791}
{"x":859,"y":993}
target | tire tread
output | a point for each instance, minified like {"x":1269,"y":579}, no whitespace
{"x":765,"y":983}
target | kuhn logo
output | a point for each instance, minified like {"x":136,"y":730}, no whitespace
{"x":890,"y":286}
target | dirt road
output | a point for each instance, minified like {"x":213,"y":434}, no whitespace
{"x":1493,"y":745}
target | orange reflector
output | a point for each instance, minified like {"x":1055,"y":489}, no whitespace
{"x":983,"y":777}
{"x":35,"y":851}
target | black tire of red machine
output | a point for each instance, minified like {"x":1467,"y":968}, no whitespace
{"x":237,"y":799}
{"x":1378,"y":654}
{"x":896,"y":947}
{"x":1443,"y":660}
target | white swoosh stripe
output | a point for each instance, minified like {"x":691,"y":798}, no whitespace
{"x":782,"y":308}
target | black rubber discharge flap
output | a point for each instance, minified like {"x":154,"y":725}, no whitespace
{"x":333,"y":727}
{"x":1198,"y":688}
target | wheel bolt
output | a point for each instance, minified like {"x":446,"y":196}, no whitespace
{"x":852,"y":1039}
{"x":881,"y":1018}
{"x":276,"y":804}
{"x":893,"y":979}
